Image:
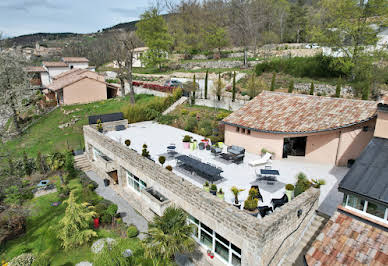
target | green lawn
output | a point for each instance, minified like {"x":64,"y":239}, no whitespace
{"x":46,"y":137}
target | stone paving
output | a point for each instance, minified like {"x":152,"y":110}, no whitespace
{"x":158,"y":137}
{"x":130,"y":215}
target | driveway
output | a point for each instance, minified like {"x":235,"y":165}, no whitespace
{"x":130,"y":215}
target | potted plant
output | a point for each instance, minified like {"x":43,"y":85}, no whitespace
{"x":290,"y":191}
{"x":220,"y":194}
{"x":213,"y":189}
{"x":212,"y":255}
{"x":251,"y":203}
{"x":317,"y":183}
{"x":235,"y":192}
{"x":99,"y":126}
{"x":127,"y":142}
{"x":169,"y":167}
{"x":186,"y":141}
{"x":206,"y":186}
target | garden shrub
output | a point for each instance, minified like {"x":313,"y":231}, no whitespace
{"x":302,"y":184}
{"x":318,"y":66}
{"x":191,"y":124}
{"x":205,"y":127}
{"x":25,"y":259}
{"x":41,"y":260}
{"x":221,"y":115}
{"x":109,"y":213}
{"x":132,"y":231}
{"x":166,"y":119}
{"x":69,"y":166}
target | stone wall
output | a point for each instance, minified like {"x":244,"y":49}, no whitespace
{"x":323,"y":89}
{"x":261,"y":240}
{"x":216,"y":64}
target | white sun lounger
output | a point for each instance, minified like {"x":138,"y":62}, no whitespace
{"x":263,"y":160}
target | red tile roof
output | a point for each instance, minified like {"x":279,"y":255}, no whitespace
{"x":75,"y":59}
{"x":32,"y":69}
{"x":278,"y":112}
{"x":71,"y":76}
{"x":54,"y":64}
{"x":347,"y":241}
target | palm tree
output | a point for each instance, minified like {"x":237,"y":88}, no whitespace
{"x":168,"y":235}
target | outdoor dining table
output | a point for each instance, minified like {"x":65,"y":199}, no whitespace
{"x":268,"y":175}
{"x":204,"y":170}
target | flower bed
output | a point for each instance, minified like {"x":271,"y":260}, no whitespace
{"x":151,"y":86}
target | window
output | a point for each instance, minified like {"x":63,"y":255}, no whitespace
{"x":243,"y":130}
{"x":356,"y":202}
{"x":237,"y":129}
{"x":376,"y":210}
{"x":206,"y":239}
{"x":236,"y":260}
{"x":222,"y":250}
{"x":135,"y":182}
{"x":248,"y":131}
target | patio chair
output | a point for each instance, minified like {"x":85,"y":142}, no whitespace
{"x":263,"y":160}
{"x":264,"y":210}
{"x":279,"y":202}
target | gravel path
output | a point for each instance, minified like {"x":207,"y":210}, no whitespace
{"x":131,"y":216}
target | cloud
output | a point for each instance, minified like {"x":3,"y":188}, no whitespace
{"x":27,"y":5}
{"x":127,"y":12}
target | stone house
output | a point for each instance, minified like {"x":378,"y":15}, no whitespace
{"x":235,"y":237}
{"x":320,"y":129}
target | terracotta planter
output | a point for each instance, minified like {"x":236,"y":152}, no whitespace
{"x":186,"y":145}
{"x":290,"y":194}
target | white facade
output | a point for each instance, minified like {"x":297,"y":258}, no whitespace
{"x":54,"y":71}
{"x":82,"y":65}
{"x":45,"y":78}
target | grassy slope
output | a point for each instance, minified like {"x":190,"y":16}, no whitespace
{"x":46,"y":137}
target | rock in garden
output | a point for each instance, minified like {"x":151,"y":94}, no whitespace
{"x":84,"y":263}
{"x":99,"y":244}
{"x":127,"y":253}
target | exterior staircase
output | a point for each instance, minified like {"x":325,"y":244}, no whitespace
{"x":296,"y":257}
{"x":82,"y":163}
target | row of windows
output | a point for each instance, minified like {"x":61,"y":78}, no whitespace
{"x":224,"y":249}
{"x":135,"y":182}
{"x":243,"y":130}
{"x":366,"y":207}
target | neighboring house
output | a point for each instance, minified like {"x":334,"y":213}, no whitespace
{"x":39,"y":76}
{"x":137,"y":55}
{"x":79,"y":86}
{"x":55,"y":68}
{"x":321,"y":129}
{"x":358,"y":232}
{"x":76,"y":62}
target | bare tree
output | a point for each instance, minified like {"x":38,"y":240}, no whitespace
{"x":125,"y":45}
{"x":14,"y":83}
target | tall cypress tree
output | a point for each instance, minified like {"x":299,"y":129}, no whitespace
{"x":273,"y":82}
{"x":338,"y":88}
{"x":26,"y":165}
{"x":312,"y":88}
{"x":234,"y":87}
{"x":291,"y":87}
{"x":206,"y":79}
{"x":194,"y":87}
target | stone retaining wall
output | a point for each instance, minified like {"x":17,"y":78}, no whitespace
{"x":262,"y":241}
{"x":216,"y":64}
{"x":323,"y":89}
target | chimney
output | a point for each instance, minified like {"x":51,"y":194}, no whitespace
{"x":381,"y":129}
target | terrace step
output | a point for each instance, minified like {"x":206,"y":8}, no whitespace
{"x":296,"y":257}
{"x":82,"y":163}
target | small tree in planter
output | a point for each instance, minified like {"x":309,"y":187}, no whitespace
{"x":162,"y":160}
{"x":127,"y":142}
{"x":317,"y":183}
{"x":235,"y":192}
{"x":213,"y":189}
{"x":206,"y":186}
{"x":290,"y":191}
{"x":99,"y":126}
{"x":251,"y":203}
{"x":220,"y":194}
{"x":145,"y":152}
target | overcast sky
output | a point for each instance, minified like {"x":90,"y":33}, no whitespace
{"x":19,"y":17}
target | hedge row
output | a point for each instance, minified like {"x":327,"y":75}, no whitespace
{"x":151,"y":86}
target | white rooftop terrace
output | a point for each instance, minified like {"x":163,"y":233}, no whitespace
{"x":158,"y":137}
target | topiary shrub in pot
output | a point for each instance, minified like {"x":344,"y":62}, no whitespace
{"x":220,"y":194}
{"x":290,"y":191}
{"x":235,"y":192}
{"x":127,"y":142}
{"x":213,"y":189}
{"x":186,"y":141}
{"x":251,"y":203}
{"x":206,"y":186}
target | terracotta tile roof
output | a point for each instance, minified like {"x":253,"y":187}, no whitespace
{"x":32,"y":69}
{"x":74,"y":71}
{"x":54,"y":64}
{"x":278,"y":112}
{"x":75,"y":59}
{"x":71,"y":76}
{"x":347,"y":241}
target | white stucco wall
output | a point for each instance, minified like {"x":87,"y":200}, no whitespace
{"x":78,"y":65}
{"x":54,"y":71}
{"x":44,"y":77}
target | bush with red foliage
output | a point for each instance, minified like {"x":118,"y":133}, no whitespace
{"x":151,"y":86}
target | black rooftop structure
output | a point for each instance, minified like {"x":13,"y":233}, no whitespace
{"x":368,"y":177}
{"x":105,"y":118}
{"x":205,"y":170}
